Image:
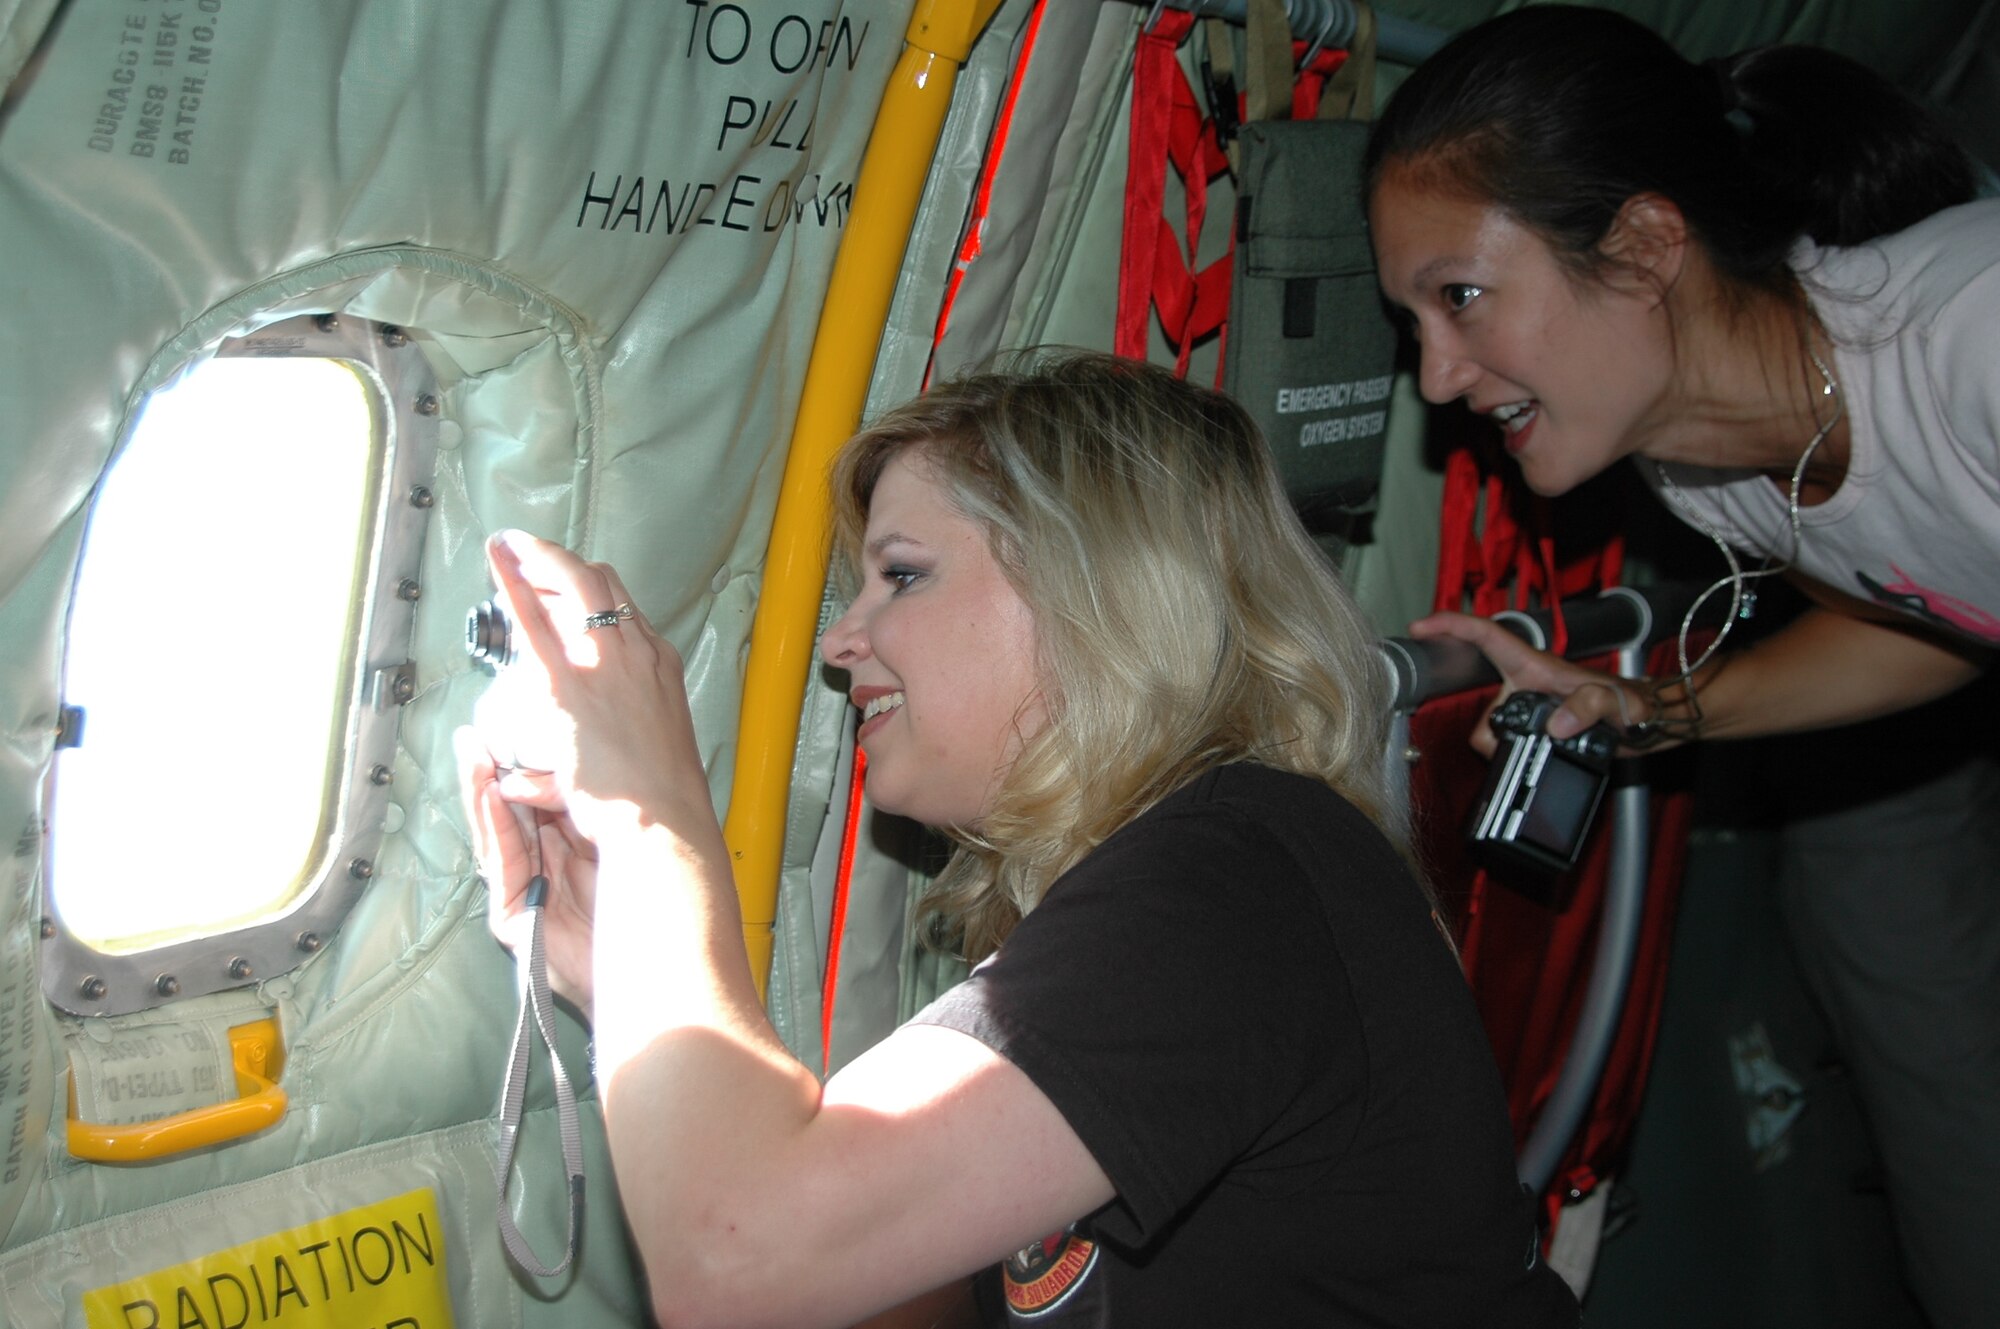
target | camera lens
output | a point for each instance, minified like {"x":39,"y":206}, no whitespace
{"x":488,"y":637}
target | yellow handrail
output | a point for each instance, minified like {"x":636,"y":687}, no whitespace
{"x":259,"y":1056}
{"x":886,"y":193}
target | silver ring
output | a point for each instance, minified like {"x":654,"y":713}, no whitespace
{"x":610,"y":618}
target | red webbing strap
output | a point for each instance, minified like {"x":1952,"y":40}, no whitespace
{"x":1461,"y":566}
{"x":1156,"y":268}
{"x":1311,"y":81}
{"x":1497,"y":547}
{"x":1154,"y":72}
{"x":1547,"y":574}
{"x":837,"y":932}
{"x":1156,"y":264}
{"x":982,"y":199}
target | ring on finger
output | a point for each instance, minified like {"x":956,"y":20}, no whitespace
{"x":609,"y":618}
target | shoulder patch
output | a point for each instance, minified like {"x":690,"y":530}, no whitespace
{"x":1039,"y":1278}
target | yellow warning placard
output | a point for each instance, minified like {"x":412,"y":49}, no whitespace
{"x":377,"y":1267}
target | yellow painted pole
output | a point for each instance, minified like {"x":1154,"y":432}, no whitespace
{"x":891,"y":181}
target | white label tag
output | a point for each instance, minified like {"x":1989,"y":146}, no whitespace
{"x":144,"y":1074}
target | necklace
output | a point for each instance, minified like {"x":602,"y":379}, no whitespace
{"x":1743,"y":598}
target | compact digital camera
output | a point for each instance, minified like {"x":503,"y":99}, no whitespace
{"x":489,"y":637}
{"x":504,"y":714}
{"x":1541,"y":793}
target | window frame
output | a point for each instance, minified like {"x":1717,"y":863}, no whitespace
{"x":381,"y":679}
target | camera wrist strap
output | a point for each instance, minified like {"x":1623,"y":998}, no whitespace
{"x":538,"y":1008}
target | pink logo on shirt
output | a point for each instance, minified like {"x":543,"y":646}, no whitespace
{"x":1944,"y":610}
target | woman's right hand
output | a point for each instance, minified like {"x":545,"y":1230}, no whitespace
{"x":1587,"y":695}
{"x":519,"y":832}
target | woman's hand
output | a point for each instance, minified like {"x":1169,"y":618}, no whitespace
{"x":603,"y":710}
{"x":519,"y":832}
{"x":598,"y":719}
{"x":1587,"y":695}
{"x":1834,"y":664}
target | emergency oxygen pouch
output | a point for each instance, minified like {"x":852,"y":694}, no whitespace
{"x":1311,"y":351}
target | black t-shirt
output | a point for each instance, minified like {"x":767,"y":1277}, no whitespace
{"x":1241,"y":1004}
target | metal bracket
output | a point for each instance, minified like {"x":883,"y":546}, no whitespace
{"x":69,"y":727}
{"x":395,"y":685}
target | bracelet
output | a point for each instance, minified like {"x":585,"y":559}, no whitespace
{"x":1660,"y":727}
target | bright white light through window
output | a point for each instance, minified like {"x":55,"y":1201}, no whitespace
{"x":210,"y":648}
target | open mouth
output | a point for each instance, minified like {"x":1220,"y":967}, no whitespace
{"x":1516,"y":416}
{"x":1516,"y":419}
{"x":876,"y":708}
{"x":879,"y":705}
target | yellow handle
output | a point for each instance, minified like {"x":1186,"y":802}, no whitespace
{"x":859,"y":292}
{"x":259,"y":1055}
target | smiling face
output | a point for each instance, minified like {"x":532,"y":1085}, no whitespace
{"x":1573,"y":368}
{"x":940,"y":654}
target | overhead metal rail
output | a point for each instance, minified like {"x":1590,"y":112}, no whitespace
{"x":1328,"y":24}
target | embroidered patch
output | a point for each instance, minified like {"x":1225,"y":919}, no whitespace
{"x":1038,"y":1278}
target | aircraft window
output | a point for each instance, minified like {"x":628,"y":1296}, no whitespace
{"x":237,"y":650}
{"x":160,"y":585}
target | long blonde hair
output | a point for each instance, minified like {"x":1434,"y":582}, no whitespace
{"x":1184,"y":618}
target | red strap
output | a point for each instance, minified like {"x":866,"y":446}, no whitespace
{"x":837,"y":932}
{"x":1311,"y":81}
{"x":1472,"y":926}
{"x":1497,"y":547}
{"x":1156,"y":262}
{"x":1550,"y":576}
{"x":1155,"y":71}
{"x":982,"y":200}
{"x":1458,"y":525}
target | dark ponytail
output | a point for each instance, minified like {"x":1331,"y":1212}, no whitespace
{"x":1859,"y":158}
{"x":1558,"y":114}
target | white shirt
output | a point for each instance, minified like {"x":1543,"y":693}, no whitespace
{"x":1915,"y":525}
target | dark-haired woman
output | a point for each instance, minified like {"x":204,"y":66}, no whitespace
{"x":1766,"y":281}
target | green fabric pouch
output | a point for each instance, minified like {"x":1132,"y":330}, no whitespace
{"x":1311,"y":351}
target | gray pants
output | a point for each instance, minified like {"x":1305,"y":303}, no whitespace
{"x":1893,"y":903}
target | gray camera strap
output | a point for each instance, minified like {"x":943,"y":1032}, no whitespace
{"x":538,"y":1003}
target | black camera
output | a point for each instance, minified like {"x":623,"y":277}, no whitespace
{"x":1541,"y":793}
{"x":489,"y":637}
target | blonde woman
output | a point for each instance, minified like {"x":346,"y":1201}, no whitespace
{"x":1218,"y":1066}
